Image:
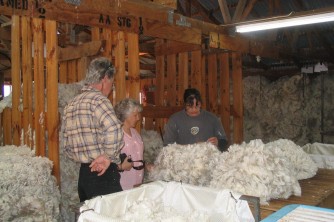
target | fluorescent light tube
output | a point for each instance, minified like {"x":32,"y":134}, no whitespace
{"x":286,"y":22}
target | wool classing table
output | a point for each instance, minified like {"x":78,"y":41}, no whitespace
{"x":316,"y":191}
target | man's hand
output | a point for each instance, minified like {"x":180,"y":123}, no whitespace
{"x":213,"y":140}
{"x":126,"y":165}
{"x":100,"y":164}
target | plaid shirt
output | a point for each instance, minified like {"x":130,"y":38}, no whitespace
{"x":91,"y":128}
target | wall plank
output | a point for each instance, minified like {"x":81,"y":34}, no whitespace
{"x":225,"y":112}
{"x":27,"y":80}
{"x":183,"y":80}
{"x":212,"y":83}
{"x":16,"y":79}
{"x":52,"y":95}
{"x":237,"y":98}
{"x":39,"y":113}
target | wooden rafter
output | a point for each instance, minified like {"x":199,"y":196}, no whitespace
{"x":239,"y":10}
{"x":225,"y":12}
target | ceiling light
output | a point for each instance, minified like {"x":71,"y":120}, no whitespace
{"x":285,"y":21}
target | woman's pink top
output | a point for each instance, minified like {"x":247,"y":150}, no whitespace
{"x":133,"y":146}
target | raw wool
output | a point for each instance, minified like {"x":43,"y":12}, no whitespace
{"x":28,"y":190}
{"x":289,"y":107}
{"x":66,"y":92}
{"x":321,"y":153}
{"x":303,"y":165}
{"x":152,"y":144}
{"x":251,"y":169}
{"x":190,"y":164}
{"x":6,"y":102}
{"x":69,"y":176}
{"x":148,"y":210}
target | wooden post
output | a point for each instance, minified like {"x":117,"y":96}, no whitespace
{"x":27,"y":81}
{"x":52,"y":95}
{"x":237,"y":98}
{"x":225,"y":112}
{"x":16,"y":80}
{"x":160,"y":86}
{"x":133,"y":66}
{"x":38,"y":37}
{"x":171,"y":80}
{"x":120,"y":67}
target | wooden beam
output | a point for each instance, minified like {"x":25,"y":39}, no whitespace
{"x":160,"y":111}
{"x":83,"y":50}
{"x":173,"y":47}
{"x":262,"y":48}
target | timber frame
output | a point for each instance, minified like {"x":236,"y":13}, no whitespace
{"x":115,"y":30}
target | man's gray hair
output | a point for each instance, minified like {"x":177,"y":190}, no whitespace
{"x":98,"y":69}
{"x":125,"y":107}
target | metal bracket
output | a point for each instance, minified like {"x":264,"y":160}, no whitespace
{"x":183,"y":22}
{"x":170,"y":18}
{"x":73,"y":2}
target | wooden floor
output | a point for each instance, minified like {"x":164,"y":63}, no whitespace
{"x":316,"y":191}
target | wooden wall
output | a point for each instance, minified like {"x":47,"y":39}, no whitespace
{"x":39,"y":63}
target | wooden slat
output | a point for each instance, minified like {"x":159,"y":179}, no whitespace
{"x":27,"y":81}
{"x":237,"y":98}
{"x":160,"y":83}
{"x":7,"y":126}
{"x":81,"y":68}
{"x":16,"y":79}
{"x":107,"y":36}
{"x":95,"y":33}
{"x":212,"y":83}
{"x":72,"y":71}
{"x":133,"y":64}
{"x":196,"y":69}
{"x":160,"y":76}
{"x":204,"y":80}
{"x":225,"y":93}
{"x":107,"y":47}
{"x":39,"y":86}
{"x":183,"y":81}
{"x":120,"y":67}
{"x":63,"y":72}
{"x":171,"y":80}
{"x":52,"y":95}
